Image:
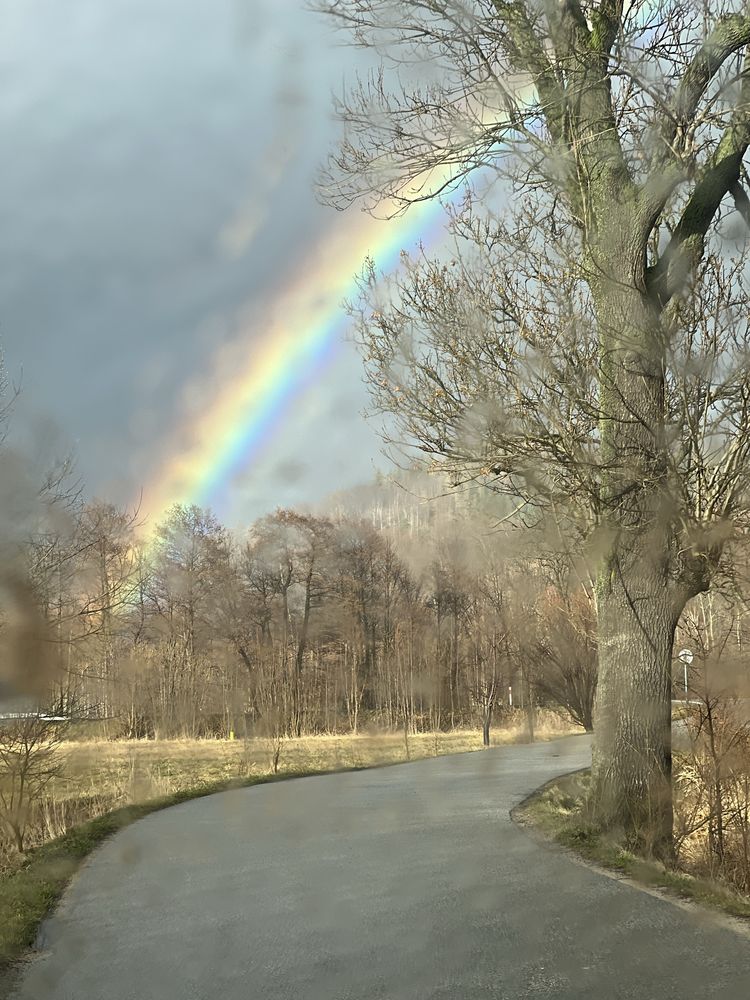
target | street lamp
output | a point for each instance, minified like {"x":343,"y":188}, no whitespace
{"x":685,"y":656}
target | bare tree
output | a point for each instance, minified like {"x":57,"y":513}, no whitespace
{"x":559,"y":638}
{"x":586,"y":356}
{"x":188,"y":565}
{"x":489,"y":622}
{"x":29,"y":761}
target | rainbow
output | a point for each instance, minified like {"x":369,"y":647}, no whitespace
{"x":260,"y":378}
{"x":235,"y":410}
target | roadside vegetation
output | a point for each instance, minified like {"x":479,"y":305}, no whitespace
{"x":86,"y":779}
{"x":561,"y":812}
{"x":710,"y":859}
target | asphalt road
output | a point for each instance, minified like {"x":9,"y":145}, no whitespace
{"x":405,"y":883}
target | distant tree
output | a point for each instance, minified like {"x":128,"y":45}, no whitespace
{"x":361,"y":553}
{"x":287,"y":556}
{"x":189,"y":560}
{"x":561,"y":642}
{"x":489,"y":623}
{"x":450,"y":600}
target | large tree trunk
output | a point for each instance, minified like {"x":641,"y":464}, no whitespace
{"x":637,"y":606}
{"x":632,"y":758}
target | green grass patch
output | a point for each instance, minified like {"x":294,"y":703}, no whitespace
{"x":559,"y":811}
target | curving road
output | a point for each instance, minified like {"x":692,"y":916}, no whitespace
{"x":404,"y":883}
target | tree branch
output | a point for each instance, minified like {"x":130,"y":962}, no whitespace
{"x":727,"y":38}
{"x":720,"y":177}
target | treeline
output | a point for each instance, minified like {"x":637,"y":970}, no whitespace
{"x":398,"y":611}
{"x":397,"y":614}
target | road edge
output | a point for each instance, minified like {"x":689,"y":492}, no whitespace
{"x":701,"y":911}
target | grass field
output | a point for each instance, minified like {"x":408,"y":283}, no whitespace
{"x":136,"y":770}
{"x":100,"y":775}
{"x":107,"y":785}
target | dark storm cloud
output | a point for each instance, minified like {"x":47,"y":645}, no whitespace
{"x":159,"y":180}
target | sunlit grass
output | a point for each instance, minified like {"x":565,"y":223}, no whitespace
{"x":135,"y":770}
{"x":101,"y":775}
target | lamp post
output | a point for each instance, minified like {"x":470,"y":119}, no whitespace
{"x":685,"y":656}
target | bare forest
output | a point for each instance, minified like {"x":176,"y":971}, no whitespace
{"x":408,"y":609}
{"x":403,"y":617}
{"x":400,"y":612}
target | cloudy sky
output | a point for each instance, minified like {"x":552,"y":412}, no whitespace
{"x":156,"y":191}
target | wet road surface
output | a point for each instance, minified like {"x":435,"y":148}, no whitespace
{"x":402,"y":883}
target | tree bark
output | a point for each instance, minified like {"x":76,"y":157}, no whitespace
{"x":486,"y":723}
{"x":638,"y":597}
{"x":632,"y":757}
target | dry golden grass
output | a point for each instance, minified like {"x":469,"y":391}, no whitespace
{"x":136,"y":770}
{"x":560,"y":812}
{"x":100,"y":775}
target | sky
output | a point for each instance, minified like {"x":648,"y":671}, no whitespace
{"x":158,"y":231}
